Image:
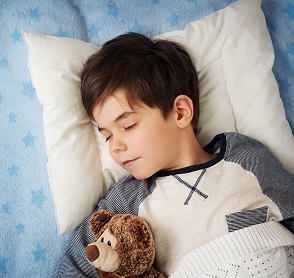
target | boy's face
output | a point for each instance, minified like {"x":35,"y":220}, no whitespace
{"x":140,"y":139}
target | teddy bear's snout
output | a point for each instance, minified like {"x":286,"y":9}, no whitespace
{"x":92,"y":252}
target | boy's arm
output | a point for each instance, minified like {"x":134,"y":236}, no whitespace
{"x":74,"y":262}
{"x":122,"y":197}
{"x":278,"y":184}
{"x":289,"y":223}
{"x":275,"y":181}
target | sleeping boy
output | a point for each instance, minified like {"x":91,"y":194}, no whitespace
{"x":143,"y":95}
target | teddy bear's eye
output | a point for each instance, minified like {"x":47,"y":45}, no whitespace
{"x":102,"y":239}
{"x":109,"y":243}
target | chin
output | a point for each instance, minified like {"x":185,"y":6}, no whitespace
{"x":141,"y":176}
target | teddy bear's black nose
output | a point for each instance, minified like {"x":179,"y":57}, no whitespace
{"x":92,"y":252}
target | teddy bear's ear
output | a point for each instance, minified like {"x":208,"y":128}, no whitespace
{"x":99,"y":220}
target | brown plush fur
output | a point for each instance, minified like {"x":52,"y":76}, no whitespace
{"x":135,"y":244}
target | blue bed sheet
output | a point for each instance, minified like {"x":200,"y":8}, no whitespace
{"x":29,"y":244}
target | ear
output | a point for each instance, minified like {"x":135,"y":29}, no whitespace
{"x":99,"y":219}
{"x":184,"y":111}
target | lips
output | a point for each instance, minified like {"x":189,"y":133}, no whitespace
{"x":128,"y":163}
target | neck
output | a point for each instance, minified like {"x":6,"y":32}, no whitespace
{"x":191,"y":151}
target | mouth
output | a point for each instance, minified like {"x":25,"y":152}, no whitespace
{"x":129,"y":163}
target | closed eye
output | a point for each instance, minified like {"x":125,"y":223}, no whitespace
{"x":107,"y":138}
{"x":129,"y":127}
{"x":105,"y":133}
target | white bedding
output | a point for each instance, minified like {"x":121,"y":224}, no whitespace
{"x":262,"y":251}
{"x":233,"y":54}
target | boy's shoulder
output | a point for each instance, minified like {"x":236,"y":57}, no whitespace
{"x":233,"y":145}
{"x":126,"y":195}
{"x":238,"y":144}
{"x":235,"y":140}
{"x":130,"y":181}
{"x":250,"y":153}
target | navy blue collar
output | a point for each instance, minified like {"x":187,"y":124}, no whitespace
{"x":217,"y":143}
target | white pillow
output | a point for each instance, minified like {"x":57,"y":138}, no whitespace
{"x":233,"y":55}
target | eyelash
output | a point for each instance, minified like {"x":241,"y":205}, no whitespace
{"x":107,"y":138}
{"x":129,"y":127}
{"x":125,"y":129}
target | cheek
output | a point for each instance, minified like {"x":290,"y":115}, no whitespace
{"x":149,"y":145}
{"x":114,"y":156}
{"x":141,"y":142}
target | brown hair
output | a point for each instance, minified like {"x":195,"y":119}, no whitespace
{"x":153,"y":72}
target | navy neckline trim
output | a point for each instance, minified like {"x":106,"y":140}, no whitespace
{"x":218,"y":140}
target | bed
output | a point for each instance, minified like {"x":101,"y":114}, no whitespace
{"x":32,"y":230}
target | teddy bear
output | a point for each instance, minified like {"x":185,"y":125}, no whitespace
{"x":123,"y":246}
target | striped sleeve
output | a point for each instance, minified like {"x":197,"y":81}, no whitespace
{"x":274,"y":180}
{"x":74,"y":262}
{"x":123,"y":197}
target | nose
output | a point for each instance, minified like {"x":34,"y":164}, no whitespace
{"x":92,"y":253}
{"x":117,"y":145}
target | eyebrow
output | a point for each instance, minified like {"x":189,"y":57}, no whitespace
{"x":124,"y":115}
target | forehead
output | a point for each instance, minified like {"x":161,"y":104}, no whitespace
{"x":111,"y":108}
